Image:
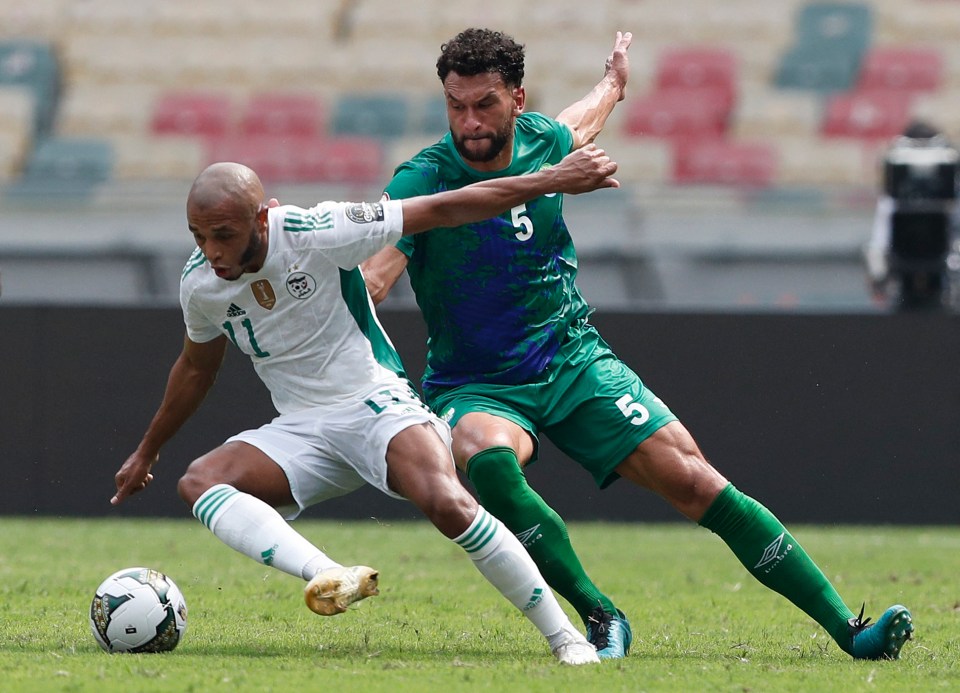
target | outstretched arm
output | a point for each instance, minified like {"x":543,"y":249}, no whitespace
{"x":586,"y":117}
{"x":191,"y":377}
{"x":580,"y":171}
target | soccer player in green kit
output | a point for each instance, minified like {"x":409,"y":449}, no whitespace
{"x":511,"y":354}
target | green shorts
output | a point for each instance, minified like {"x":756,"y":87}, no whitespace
{"x":588,"y":402}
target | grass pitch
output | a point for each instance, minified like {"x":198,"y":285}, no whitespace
{"x":700,"y":622}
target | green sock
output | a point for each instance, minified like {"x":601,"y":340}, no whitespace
{"x":504,"y":492}
{"x":777,"y":560}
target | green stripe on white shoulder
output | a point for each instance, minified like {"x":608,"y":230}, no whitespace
{"x":196,"y":260}
{"x":296,"y":222}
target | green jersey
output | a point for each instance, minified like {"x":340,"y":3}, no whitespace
{"x":498,"y":296}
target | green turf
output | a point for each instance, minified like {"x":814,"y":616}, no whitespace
{"x":700,"y":621}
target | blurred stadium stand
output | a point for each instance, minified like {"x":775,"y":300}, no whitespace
{"x":750,"y":132}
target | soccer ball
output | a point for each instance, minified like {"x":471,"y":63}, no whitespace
{"x":138,"y":610}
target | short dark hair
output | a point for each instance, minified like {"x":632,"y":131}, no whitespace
{"x":479,"y":51}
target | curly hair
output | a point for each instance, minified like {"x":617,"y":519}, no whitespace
{"x":478,"y":51}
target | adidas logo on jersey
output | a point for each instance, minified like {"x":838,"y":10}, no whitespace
{"x":235,"y":311}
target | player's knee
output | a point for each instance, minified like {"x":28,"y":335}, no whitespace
{"x":694,"y":486}
{"x":450,"y":512}
{"x":195,"y":482}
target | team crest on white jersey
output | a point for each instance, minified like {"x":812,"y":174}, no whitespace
{"x":264,"y":293}
{"x":365,"y":212}
{"x":301,"y":285}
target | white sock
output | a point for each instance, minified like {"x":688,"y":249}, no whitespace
{"x":501,"y":558}
{"x":247,"y":524}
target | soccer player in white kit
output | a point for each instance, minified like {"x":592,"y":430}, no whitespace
{"x":283,"y":284}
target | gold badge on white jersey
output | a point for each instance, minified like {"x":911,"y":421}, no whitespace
{"x":263,"y":292}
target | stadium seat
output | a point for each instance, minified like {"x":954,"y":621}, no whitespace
{"x":866,"y":115}
{"x":678,"y":113}
{"x":279,"y":113}
{"x":382,"y":115}
{"x":192,"y":113}
{"x":303,"y":159}
{"x":71,"y":159}
{"x":830,"y":39}
{"x":829,"y":24}
{"x":724,"y":162}
{"x":273,"y":157}
{"x":699,"y":67}
{"x":910,"y":69}
{"x":34,"y":65}
{"x":63,"y":169}
{"x":823,"y":70}
{"x":343,"y":160}
{"x":16,"y":128}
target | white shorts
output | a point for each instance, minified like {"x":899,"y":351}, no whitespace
{"x":327,"y":453}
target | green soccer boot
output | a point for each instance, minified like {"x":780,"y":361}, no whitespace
{"x":883,"y":639}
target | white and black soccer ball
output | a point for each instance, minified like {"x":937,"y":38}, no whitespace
{"x":138,"y":610}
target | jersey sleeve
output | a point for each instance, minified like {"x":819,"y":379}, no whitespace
{"x":199,"y":328}
{"x":347,"y":232}
{"x":560,"y":131}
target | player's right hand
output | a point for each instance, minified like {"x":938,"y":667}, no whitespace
{"x":134,"y":476}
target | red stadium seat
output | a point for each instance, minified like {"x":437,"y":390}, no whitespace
{"x":296,"y":159}
{"x":698,"y":67}
{"x":343,"y":159}
{"x":912,"y":69}
{"x":280,"y":113}
{"x":724,"y":162}
{"x":867,"y":115}
{"x":679,"y":112}
{"x":192,"y":113}
{"x":273,"y":158}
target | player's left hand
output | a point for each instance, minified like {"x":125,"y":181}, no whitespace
{"x":618,"y":64}
{"x":584,"y":170}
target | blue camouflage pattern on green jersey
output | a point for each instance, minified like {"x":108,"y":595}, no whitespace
{"x":497,"y":300}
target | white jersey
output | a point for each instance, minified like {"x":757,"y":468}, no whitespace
{"x":305,"y":319}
